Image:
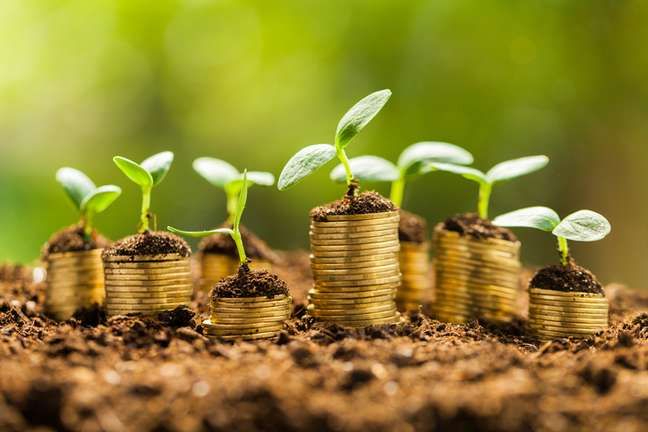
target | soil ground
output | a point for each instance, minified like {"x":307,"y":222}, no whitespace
{"x":143,"y":374}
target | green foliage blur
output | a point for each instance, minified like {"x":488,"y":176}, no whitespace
{"x":251,"y":82}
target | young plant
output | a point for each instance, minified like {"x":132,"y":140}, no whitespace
{"x":146,"y":175}
{"x":312,"y":157}
{"x":86,"y":197}
{"x":412,"y":162}
{"x":502,"y":171}
{"x":225,"y":176}
{"x":235,"y":231}
{"x":583,"y":225}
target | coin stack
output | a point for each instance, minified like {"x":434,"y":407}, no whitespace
{"x":146,"y":284}
{"x":247,"y":318}
{"x":355,"y":268}
{"x":415,"y":283}
{"x":475,"y":278}
{"x":557,"y":314}
{"x":214,"y":267}
{"x":74,"y":280}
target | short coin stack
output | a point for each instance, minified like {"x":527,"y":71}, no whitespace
{"x":355,"y":268}
{"x":475,"y":278}
{"x":74,"y":280}
{"x":214,"y":267}
{"x":557,"y":314}
{"x":146,"y":284}
{"x":247,"y":318}
{"x":415,"y":267}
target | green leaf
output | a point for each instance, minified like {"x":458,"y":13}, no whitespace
{"x":583,"y":225}
{"x":413,"y":159}
{"x":542,"y":218}
{"x":304,"y":162}
{"x":359,"y":116}
{"x":466,"y":172}
{"x":134,"y":171}
{"x":260,"y":178}
{"x":158,"y":166}
{"x":367,"y":168}
{"x":516,"y":168}
{"x":242,"y":200}
{"x":100,"y":199}
{"x":215,"y":171}
{"x":76,"y":184}
{"x":200,"y":233}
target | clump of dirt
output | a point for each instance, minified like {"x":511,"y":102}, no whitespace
{"x":412,"y":227}
{"x":255,"y":248}
{"x":15,"y":273}
{"x":73,"y":239}
{"x":470,"y":224}
{"x":363,"y":203}
{"x":569,"y":278}
{"x":250,"y":283}
{"x":149,"y":243}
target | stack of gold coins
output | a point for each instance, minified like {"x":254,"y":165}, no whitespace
{"x":475,"y":278}
{"x":415,"y":268}
{"x":247,"y":318}
{"x":74,"y":280}
{"x":214,"y":267}
{"x":355,"y":268}
{"x":557,"y":314}
{"x":146,"y":284}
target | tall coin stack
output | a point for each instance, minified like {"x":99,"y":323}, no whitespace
{"x":475,"y":278}
{"x":415,"y":268}
{"x":247,"y":318}
{"x":355,"y":268}
{"x":74,"y":280}
{"x":214,"y":267}
{"x":557,"y":314}
{"x":146,"y":284}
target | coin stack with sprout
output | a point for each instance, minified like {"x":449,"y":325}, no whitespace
{"x":557,"y":314}
{"x":247,"y":318}
{"x":214,"y":267}
{"x":74,"y":280}
{"x":475,"y":278}
{"x":146,"y":284}
{"x":415,"y":268}
{"x":355,"y":269}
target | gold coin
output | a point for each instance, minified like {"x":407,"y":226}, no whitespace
{"x":555,"y":293}
{"x":451,"y":236}
{"x":364,"y":216}
{"x":356,"y":277}
{"x":264,"y":300}
{"x":186,"y":274}
{"x":354,"y":259}
{"x":477,"y":293}
{"x":318,"y":235}
{"x":252,"y":307}
{"x":378,"y":224}
{"x":472,"y":310}
{"x":321,"y":311}
{"x":354,"y":266}
{"x":218,"y":325}
{"x":149,"y":289}
{"x":212,"y":330}
{"x":148,"y":271}
{"x":575,"y":329}
{"x":118,"y":302}
{"x":363,"y":323}
{"x":316,"y":294}
{"x":395,"y":279}
{"x":138,"y":309}
{"x":258,"y":336}
{"x":357,"y":270}
{"x":109,"y":282}
{"x":146,"y":264}
{"x":585,"y":301}
{"x":477,"y":270}
{"x":476,"y":284}
{"x":143,"y":258}
{"x":548,"y":335}
{"x":539,"y":320}
{"x":354,"y":315}
{"x":220,"y":319}
{"x":566,"y":311}
{"x":352,"y":301}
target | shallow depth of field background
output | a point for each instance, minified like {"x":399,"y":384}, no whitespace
{"x":253,"y":81}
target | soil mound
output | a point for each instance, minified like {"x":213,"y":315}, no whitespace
{"x":469,"y":224}
{"x":73,"y":239}
{"x":412,"y":227}
{"x":570,"y":278}
{"x":149,"y":243}
{"x":363,"y":203}
{"x":250,"y":283}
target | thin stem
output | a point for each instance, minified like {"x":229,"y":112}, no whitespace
{"x":146,"y":205}
{"x":398,"y":191}
{"x":341,"y":154}
{"x":238,"y":241}
{"x":485,"y":190}
{"x":87,"y":223}
{"x":563,"y":248}
{"x":232,"y":201}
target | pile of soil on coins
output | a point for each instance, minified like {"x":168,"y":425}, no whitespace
{"x":571,"y":277}
{"x":73,"y":239}
{"x":250,"y":283}
{"x":470,"y":224}
{"x":363,"y":203}
{"x":149,"y":243}
{"x":412,"y":228}
{"x":141,"y":374}
{"x":255,"y":248}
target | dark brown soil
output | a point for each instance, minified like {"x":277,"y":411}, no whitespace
{"x":363,"y":203}
{"x":412,"y":227}
{"x":149,"y":243}
{"x":73,"y":239}
{"x":250,"y":283}
{"x":570,"y":278}
{"x":255,"y":248}
{"x":472,"y":225}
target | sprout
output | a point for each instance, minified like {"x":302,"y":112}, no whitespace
{"x":583,"y":225}
{"x":235,"y":231}
{"x":86,"y":197}
{"x":223,"y":175}
{"x":147,"y":175}
{"x":500,"y":172}
{"x":412,"y":162}
{"x":312,"y":157}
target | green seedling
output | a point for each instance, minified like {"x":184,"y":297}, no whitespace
{"x":583,"y":225}
{"x":502,"y":171}
{"x":413,"y":162}
{"x":312,"y":157}
{"x":146,"y":175}
{"x":225,"y":176}
{"x":235,"y":231}
{"x":86,"y":197}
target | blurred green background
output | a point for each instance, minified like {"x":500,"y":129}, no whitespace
{"x":253,"y":81}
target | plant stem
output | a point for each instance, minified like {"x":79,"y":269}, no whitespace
{"x":485,"y":190}
{"x":563,"y":248}
{"x":238,"y":241}
{"x":232,"y":201}
{"x":341,"y":154}
{"x":146,"y":205}
{"x":397,"y":191}
{"x":86,"y":222}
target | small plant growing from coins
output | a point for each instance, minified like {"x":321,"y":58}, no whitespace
{"x":147,"y":174}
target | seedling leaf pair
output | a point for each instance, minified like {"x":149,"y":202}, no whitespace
{"x":312,"y":157}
